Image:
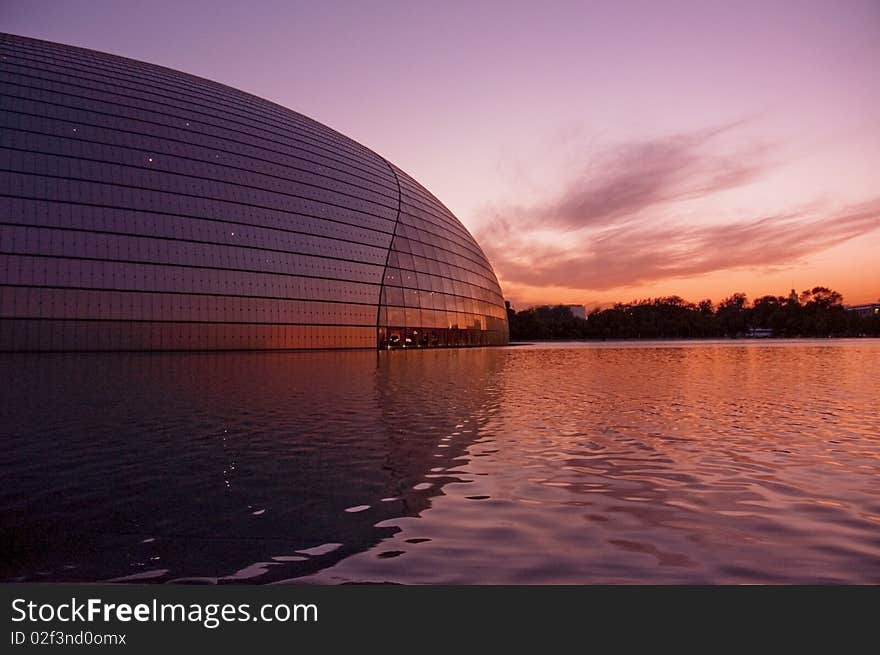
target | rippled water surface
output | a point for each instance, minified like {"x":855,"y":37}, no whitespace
{"x":709,"y":462}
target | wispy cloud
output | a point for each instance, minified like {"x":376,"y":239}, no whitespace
{"x":639,"y":253}
{"x":601,"y":232}
{"x":620,"y":183}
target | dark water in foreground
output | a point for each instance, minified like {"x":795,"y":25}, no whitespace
{"x":710,"y":462}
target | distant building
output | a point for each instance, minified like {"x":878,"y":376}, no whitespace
{"x":871,"y":309}
{"x":577,"y":311}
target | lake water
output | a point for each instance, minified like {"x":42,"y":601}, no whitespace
{"x":663,"y":462}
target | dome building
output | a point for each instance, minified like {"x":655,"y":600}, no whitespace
{"x":145,"y":209}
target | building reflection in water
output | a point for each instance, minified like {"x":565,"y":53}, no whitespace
{"x":230,"y":466}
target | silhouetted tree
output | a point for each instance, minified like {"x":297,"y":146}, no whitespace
{"x":816,"y":312}
{"x":732,"y":316}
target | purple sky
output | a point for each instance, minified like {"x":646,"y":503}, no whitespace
{"x":599,"y":151}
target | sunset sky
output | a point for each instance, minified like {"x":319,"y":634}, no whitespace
{"x":598,"y":151}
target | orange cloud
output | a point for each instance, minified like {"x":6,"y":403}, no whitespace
{"x":598,"y":235}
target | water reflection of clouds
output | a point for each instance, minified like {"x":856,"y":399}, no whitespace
{"x":663,"y":462}
{"x":666,"y":462}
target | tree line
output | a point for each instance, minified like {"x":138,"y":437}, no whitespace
{"x":816,"y":312}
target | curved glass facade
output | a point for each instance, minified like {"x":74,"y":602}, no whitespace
{"x":145,"y":209}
